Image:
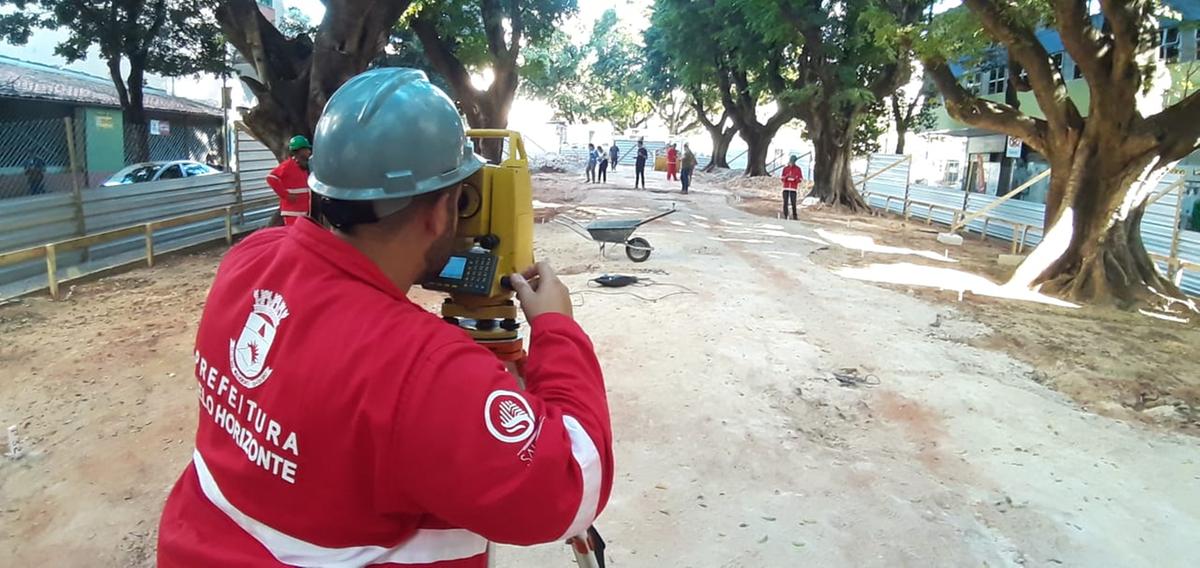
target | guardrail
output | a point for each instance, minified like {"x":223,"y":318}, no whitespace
{"x":50,"y":251}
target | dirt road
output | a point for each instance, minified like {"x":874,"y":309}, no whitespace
{"x":736,"y":446}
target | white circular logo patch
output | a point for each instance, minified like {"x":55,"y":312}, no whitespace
{"x":508,"y":416}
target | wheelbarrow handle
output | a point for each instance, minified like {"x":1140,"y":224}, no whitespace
{"x":574,"y":225}
{"x":659,"y":216}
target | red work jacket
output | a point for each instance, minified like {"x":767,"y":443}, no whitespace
{"x":290,"y":182}
{"x":792,"y":176}
{"x":672,"y":156}
{"x":340,"y":424}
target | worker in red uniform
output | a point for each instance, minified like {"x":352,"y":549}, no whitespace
{"x":290,"y":181}
{"x":340,"y":424}
{"x":792,"y":176}
{"x":672,"y":162}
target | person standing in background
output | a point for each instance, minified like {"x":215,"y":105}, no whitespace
{"x":792,"y":176}
{"x":688,"y":165}
{"x":35,"y":174}
{"x":672,"y":162}
{"x":613,"y":154}
{"x":639,"y":166}
{"x":602,"y":173}
{"x":591,"y":163}
{"x":289,"y":180}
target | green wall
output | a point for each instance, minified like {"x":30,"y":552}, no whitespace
{"x":1077,"y":89}
{"x":104,"y":133}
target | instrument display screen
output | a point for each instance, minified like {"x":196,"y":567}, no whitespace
{"x":454,"y":268}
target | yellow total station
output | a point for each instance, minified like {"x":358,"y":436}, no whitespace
{"x":494,"y":239}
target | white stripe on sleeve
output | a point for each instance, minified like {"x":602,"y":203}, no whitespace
{"x":588,"y":459}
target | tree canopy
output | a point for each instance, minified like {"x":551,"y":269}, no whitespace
{"x":461,"y":38}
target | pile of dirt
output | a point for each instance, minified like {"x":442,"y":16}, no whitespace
{"x":721,"y":176}
{"x":554,"y":163}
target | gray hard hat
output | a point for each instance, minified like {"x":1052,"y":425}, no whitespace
{"x":389,"y":134}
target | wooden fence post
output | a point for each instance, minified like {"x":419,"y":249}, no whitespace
{"x":1173,"y":261}
{"x":149,"y":244}
{"x":52,"y":271}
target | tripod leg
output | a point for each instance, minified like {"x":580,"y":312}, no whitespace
{"x":589,"y":549}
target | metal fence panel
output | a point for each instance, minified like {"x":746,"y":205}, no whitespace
{"x":1158,"y":224}
{"x":890,"y":179}
{"x":40,"y":219}
{"x":255,"y":161}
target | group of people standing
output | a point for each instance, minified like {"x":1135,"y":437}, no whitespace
{"x":600,"y":160}
{"x":685,"y":167}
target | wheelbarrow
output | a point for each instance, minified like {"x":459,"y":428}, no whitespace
{"x":616,"y":232}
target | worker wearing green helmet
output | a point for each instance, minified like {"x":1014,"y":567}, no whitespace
{"x":290,"y":181}
{"x":299,"y":142}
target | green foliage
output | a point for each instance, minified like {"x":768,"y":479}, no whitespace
{"x":167,"y":37}
{"x":295,"y":23}
{"x":404,"y":49}
{"x":605,"y":78}
{"x":554,"y":72}
{"x":871,"y":123}
{"x":954,"y":35}
{"x":462,"y":24}
{"x":619,"y":74}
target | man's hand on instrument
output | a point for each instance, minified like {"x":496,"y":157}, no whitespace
{"x":541,"y":292}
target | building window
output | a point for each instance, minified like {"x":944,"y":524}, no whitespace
{"x":951,"y":172}
{"x":995,"y":80}
{"x":1168,"y":44}
{"x":1057,"y":60}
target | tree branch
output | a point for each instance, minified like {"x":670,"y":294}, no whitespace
{"x":493,"y":28}
{"x":114,"y":71}
{"x":974,"y":111}
{"x":440,"y":56}
{"x":1079,"y":37}
{"x":1122,"y":18}
{"x":1023,"y":46}
{"x":1176,"y":128}
{"x":517,"y":21}
{"x":160,"y":16}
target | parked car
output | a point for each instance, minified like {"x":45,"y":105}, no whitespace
{"x":154,"y":171}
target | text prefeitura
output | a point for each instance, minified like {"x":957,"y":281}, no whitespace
{"x":246,"y":422}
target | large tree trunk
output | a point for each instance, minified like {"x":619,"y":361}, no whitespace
{"x":489,"y":109}
{"x":295,"y":77}
{"x":901,"y":133}
{"x":720,"y":144}
{"x":1097,"y":220}
{"x":832,"y":179}
{"x":135,"y":114}
{"x":758,"y":143}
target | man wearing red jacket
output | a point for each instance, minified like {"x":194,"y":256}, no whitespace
{"x":672,"y":162}
{"x":792,"y":176}
{"x":340,"y":424}
{"x":290,"y":182}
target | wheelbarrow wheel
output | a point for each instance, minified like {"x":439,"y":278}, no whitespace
{"x":637,"y":249}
